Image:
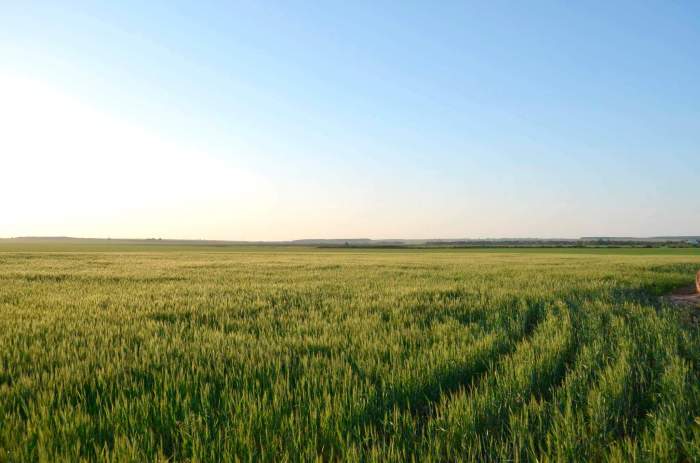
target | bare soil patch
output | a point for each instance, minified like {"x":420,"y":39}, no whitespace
{"x":686,"y":299}
{"x":686,"y":296}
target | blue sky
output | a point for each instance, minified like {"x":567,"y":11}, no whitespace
{"x":282,"y":120}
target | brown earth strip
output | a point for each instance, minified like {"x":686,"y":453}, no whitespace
{"x":687,"y":299}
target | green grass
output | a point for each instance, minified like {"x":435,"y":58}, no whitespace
{"x":145,"y":353}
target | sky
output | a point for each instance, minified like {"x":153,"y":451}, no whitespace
{"x":284,"y":120}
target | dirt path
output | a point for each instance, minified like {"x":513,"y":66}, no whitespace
{"x":687,"y":296}
{"x":687,"y":299}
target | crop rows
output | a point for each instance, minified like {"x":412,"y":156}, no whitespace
{"x":303,"y":355}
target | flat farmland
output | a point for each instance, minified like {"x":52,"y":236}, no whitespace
{"x":167,"y":353}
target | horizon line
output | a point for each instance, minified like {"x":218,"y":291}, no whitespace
{"x":363,"y":239}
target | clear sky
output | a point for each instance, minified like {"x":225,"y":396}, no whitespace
{"x":283,"y":120}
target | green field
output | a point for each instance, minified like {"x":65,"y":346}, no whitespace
{"x":154,"y":353}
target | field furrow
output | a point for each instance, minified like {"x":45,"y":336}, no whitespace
{"x":341,"y":355}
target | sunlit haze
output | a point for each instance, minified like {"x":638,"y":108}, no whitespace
{"x":288,"y":120}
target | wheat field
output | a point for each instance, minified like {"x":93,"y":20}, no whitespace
{"x":294,"y":354}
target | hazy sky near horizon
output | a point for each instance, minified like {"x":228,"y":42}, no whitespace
{"x":284,"y":120}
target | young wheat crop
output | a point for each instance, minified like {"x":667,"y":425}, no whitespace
{"x":250,"y":354}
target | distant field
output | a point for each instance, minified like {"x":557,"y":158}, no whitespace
{"x":155,"y":353}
